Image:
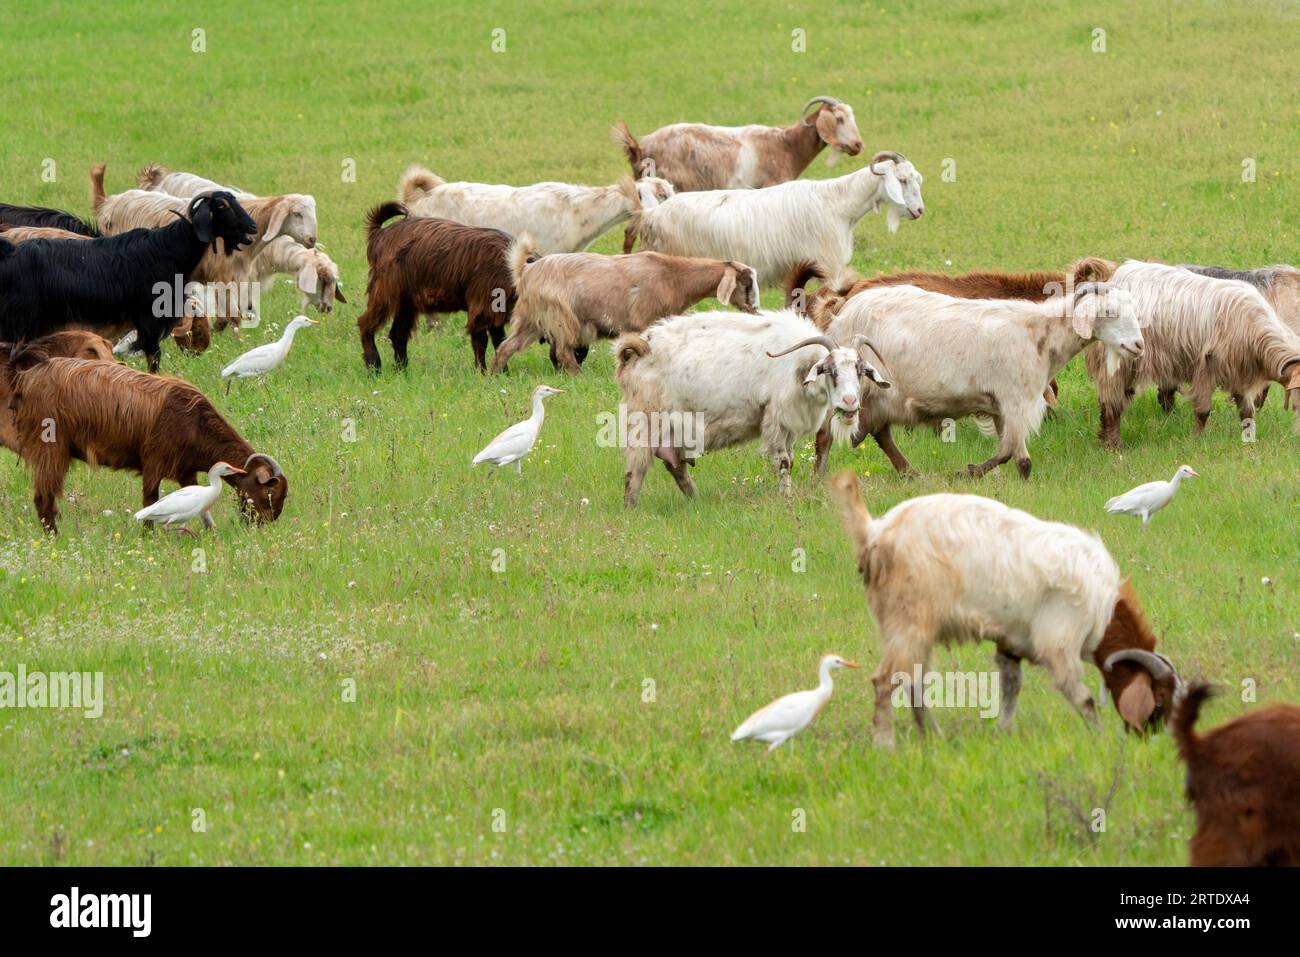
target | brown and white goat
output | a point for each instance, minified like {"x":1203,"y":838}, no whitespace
{"x":942,"y":569}
{"x":1243,"y":778}
{"x":695,"y":156}
{"x":1204,"y":332}
{"x":573,"y":299}
{"x":228,"y":276}
{"x":421,"y":265}
{"x":108,"y":414}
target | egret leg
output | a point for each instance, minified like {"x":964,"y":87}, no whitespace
{"x":228,"y":381}
{"x":519,"y":470}
{"x":208,"y":523}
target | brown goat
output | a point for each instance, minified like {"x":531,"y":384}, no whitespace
{"x":822,"y":305}
{"x":108,"y":414}
{"x":69,"y":344}
{"x":21,"y":234}
{"x":1243,"y":778}
{"x":423,"y":265}
{"x":572,"y":299}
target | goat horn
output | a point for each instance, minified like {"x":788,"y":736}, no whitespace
{"x":1157,"y":665}
{"x":828,"y":100}
{"x":886,"y":155}
{"x":275,"y":466}
{"x":823,"y":341}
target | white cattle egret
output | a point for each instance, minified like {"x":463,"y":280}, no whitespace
{"x":518,"y":440}
{"x":265,"y":358}
{"x":189,"y":502}
{"x":785,"y":717}
{"x":1146,"y":500}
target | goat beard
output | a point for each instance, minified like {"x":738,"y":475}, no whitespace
{"x":832,"y":157}
{"x":842,"y":429}
{"x":1113,"y":359}
{"x":892,"y":217}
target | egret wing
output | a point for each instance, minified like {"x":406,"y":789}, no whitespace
{"x":784,"y":714}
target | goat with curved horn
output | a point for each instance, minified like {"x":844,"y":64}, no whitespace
{"x":828,"y":100}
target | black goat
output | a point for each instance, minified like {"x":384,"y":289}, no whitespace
{"x":41,"y":216}
{"x":116,"y":282}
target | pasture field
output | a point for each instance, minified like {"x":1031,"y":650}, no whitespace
{"x":509,"y":687}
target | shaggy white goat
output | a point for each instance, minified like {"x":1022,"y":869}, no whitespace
{"x":776,"y":228}
{"x":560,"y":217}
{"x":991,"y":358}
{"x":697,"y":156}
{"x":943,"y":569}
{"x":712,"y":380}
{"x":1206,"y":332}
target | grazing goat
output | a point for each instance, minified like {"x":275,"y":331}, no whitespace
{"x":108,"y":414}
{"x":231,"y":275}
{"x":41,"y":216}
{"x":111,"y":283}
{"x":422,"y":265}
{"x":71,"y":344}
{"x":572,"y":299}
{"x":991,"y":358}
{"x":21,"y":234}
{"x":1211,"y":333}
{"x":315,"y":274}
{"x":1243,"y":778}
{"x":561,"y":218}
{"x":776,"y":228}
{"x":1280,"y":285}
{"x":942,"y":569}
{"x":695,"y":156}
{"x":712,"y":380}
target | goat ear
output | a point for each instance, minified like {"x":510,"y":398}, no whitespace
{"x":867,"y":371}
{"x":1136,"y":702}
{"x":1083,"y":313}
{"x":278,"y":215}
{"x":893,"y":188}
{"x":727,"y":286}
{"x":264,"y":475}
{"x":183,"y":327}
{"x":813,"y":373}
{"x":338,"y":292}
{"x":307,"y":279}
{"x":201,"y":219}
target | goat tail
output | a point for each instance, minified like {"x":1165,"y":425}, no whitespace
{"x":416,"y":183}
{"x":97,"y":194}
{"x":623,"y":137}
{"x":522,"y":251}
{"x":628,"y":349}
{"x":1183,"y":723}
{"x":378,"y":215}
{"x":150,"y":176}
{"x":846,"y":493}
{"x":1092,"y":269}
{"x":632,"y":231}
{"x":804,"y":272}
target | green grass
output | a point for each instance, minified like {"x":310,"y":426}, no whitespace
{"x":522,"y":690}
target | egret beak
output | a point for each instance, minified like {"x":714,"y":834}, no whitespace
{"x":1193,"y":472}
{"x":851,"y":664}
{"x":314,"y":322}
{"x":236,"y":470}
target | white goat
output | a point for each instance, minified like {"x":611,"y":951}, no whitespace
{"x":1206,"y":332}
{"x":991,"y":358}
{"x":560,"y":217}
{"x":315,"y":273}
{"x":776,"y":228}
{"x":706,"y":381}
{"x":696,"y":156}
{"x":943,"y":569}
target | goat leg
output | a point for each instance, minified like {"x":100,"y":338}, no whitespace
{"x":885,"y":440}
{"x":823,"y":442}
